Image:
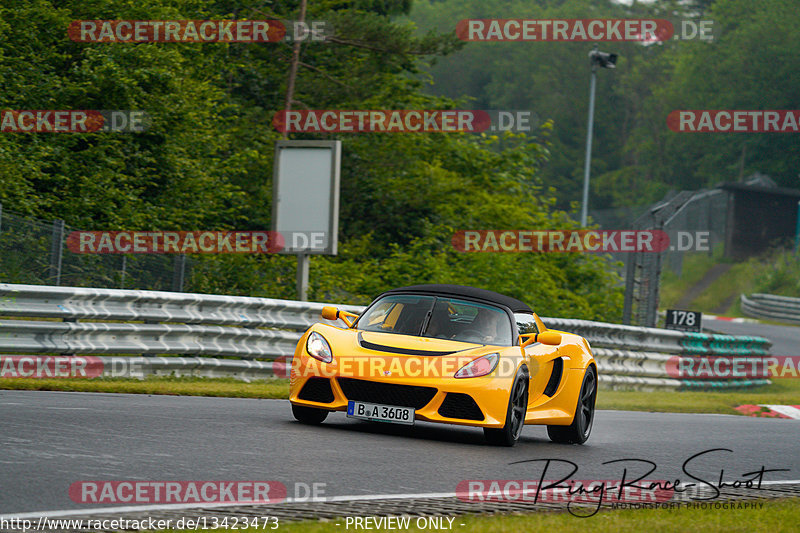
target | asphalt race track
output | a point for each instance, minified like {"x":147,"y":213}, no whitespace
{"x":52,"y":439}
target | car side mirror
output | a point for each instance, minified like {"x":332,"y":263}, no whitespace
{"x":548,"y":337}
{"x":330,"y":313}
{"x":333,"y":313}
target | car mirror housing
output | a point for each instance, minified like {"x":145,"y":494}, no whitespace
{"x":551,"y":338}
{"x":330,"y":313}
{"x":333,"y":313}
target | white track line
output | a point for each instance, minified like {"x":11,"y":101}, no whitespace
{"x":786,"y":410}
{"x":179,"y":506}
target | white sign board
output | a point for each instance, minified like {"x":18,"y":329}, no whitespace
{"x":305,"y":195}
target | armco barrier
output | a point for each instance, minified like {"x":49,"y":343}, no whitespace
{"x":152,"y":323}
{"x":772,"y":307}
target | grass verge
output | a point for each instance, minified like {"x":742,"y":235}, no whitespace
{"x":773,"y":517}
{"x":782,"y":391}
{"x":695,"y":267}
{"x":774,"y":272}
{"x":176,"y":386}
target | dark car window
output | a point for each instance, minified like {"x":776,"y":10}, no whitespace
{"x":526,"y":324}
{"x":450,"y":319}
{"x":403,"y":314}
{"x":461,"y":320}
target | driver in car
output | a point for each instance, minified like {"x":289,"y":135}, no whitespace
{"x":486,"y":323}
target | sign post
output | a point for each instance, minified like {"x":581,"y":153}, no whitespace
{"x":305,"y":201}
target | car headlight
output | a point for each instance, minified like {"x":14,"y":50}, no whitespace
{"x":318,"y":348}
{"x":479,"y":367}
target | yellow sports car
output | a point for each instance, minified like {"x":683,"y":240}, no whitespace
{"x":451,"y":354}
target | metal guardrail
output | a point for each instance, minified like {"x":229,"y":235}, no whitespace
{"x":772,"y":307}
{"x":73,"y":303}
{"x":152,"y":323}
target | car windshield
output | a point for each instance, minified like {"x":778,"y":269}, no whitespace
{"x":438,"y":317}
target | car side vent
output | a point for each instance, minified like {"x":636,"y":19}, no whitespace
{"x":555,"y":377}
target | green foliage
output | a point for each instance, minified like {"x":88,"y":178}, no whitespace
{"x":750,"y":64}
{"x":549,"y":78}
{"x":206,"y":161}
{"x":779,"y":273}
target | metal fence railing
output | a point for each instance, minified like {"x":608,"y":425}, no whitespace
{"x":34,"y":251}
{"x":683,"y":217}
{"x":706,"y":211}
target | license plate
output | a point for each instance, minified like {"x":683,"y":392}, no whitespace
{"x":381,"y":413}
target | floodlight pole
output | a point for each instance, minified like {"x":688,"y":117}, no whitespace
{"x":588,"y":161}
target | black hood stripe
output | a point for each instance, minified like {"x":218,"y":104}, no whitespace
{"x":405,"y":351}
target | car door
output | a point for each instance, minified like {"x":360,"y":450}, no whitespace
{"x":540,"y":358}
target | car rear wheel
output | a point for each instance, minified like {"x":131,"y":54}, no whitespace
{"x":509,"y":434}
{"x":578,"y":431}
{"x":309,"y":415}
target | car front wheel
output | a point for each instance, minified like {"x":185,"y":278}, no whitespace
{"x":578,"y":431}
{"x":509,"y":434}
{"x":309,"y":415}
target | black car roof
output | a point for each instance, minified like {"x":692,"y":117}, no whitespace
{"x":515,"y":305}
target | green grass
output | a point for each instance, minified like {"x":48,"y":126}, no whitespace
{"x":776,"y":272}
{"x":673,"y":287}
{"x":773,"y":517}
{"x":725,"y":290}
{"x":183,"y":386}
{"x":782,"y":391}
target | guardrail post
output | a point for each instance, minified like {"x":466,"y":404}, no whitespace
{"x":302,"y":276}
{"x":178,"y":272}
{"x":627,"y":310}
{"x":56,"y":251}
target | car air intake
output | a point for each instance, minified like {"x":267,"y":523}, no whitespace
{"x":458,"y":405}
{"x":386,"y":393}
{"x":317,"y":390}
{"x":555,"y":378}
